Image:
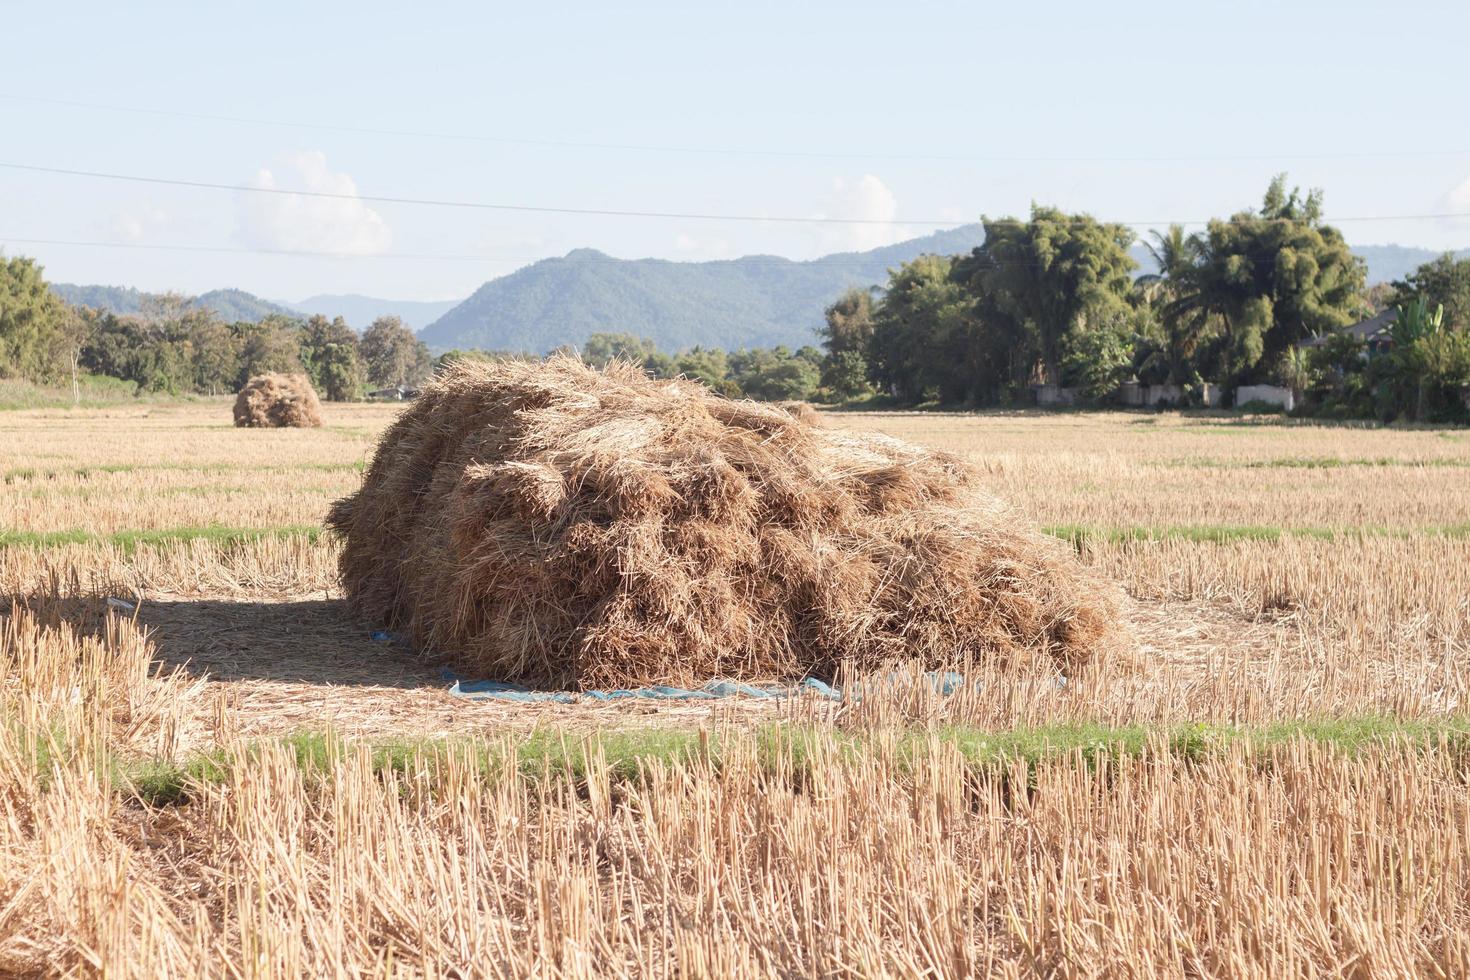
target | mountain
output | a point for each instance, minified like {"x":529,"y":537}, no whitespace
{"x":1389,"y":262}
{"x":229,"y":304}
{"x":121,"y":300}
{"x":236,"y":304}
{"x":361,"y":311}
{"x":755,"y":301}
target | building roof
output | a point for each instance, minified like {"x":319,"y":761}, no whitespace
{"x":1374,"y":329}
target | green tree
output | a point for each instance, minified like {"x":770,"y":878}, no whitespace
{"x":1444,"y":282}
{"x":72,"y":334}
{"x":1273,"y":278}
{"x":846,"y":336}
{"x":845,"y":374}
{"x":601,"y":349}
{"x":1182,"y":319}
{"x":1097,"y":361}
{"x":917,"y":325}
{"x":1052,"y":275}
{"x":709,"y":365}
{"x":272,"y":345}
{"x":1430,"y":365}
{"x":392,"y":354}
{"x":1296,"y":370}
{"x":329,"y":352}
{"x":774,"y":374}
{"x":31,"y":318}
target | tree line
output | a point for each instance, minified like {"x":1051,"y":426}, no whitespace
{"x":174,"y":348}
{"x":1260,"y":297}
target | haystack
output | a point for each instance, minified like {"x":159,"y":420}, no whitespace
{"x":801,"y":411}
{"x":278,"y":400}
{"x":553,"y":524}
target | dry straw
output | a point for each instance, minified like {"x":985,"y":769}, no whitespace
{"x":278,"y":401}
{"x":554,"y":524}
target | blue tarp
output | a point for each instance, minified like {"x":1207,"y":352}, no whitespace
{"x":943,"y":682}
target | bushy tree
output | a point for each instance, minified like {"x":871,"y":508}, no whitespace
{"x":846,"y":336}
{"x":774,"y":374}
{"x":272,"y":345}
{"x":1444,"y":282}
{"x":329,"y":352}
{"x":215,"y":356}
{"x":392,"y":354}
{"x":1097,"y":361}
{"x":602,"y":349}
{"x":1273,"y":278}
{"x":845,"y":374}
{"x":31,"y":319}
{"x":1052,"y":275}
{"x":916,"y":325}
{"x":1431,"y":362}
{"x":709,"y":365}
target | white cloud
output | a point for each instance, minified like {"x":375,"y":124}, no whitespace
{"x":1459,"y":196}
{"x":867,"y":199}
{"x":133,"y":224}
{"x":342,"y":224}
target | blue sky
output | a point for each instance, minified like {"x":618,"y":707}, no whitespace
{"x":1137,"y":112}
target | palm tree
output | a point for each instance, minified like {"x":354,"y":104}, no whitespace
{"x":1176,"y":287}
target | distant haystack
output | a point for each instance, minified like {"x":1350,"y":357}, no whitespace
{"x":277,"y":401}
{"x":801,"y":411}
{"x":553,"y":524}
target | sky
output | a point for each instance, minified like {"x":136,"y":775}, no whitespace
{"x":889,"y":113}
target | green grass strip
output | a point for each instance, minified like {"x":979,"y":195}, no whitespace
{"x":26,"y":474}
{"x":1318,"y":463}
{"x":130,"y":540}
{"x":548,"y":754}
{"x":1079,"y":534}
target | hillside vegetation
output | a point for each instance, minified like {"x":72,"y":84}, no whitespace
{"x":755,"y":301}
{"x":227,"y":304}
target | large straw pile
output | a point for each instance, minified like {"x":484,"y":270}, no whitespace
{"x":278,"y":400}
{"x":553,"y":524}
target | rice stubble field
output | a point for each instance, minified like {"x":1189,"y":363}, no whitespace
{"x":234,"y":778}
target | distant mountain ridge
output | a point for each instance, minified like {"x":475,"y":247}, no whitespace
{"x":236,"y":304}
{"x":228,"y":304}
{"x":755,"y":301}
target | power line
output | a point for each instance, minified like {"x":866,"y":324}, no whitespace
{"x":421,"y":256}
{"x":745,"y":260}
{"x":297,"y":253}
{"x":725,"y":150}
{"x":678,"y":215}
{"x":480,"y":205}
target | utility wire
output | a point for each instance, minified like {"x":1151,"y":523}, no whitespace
{"x":726,"y":151}
{"x":480,"y":205}
{"x":297,"y":253}
{"x":746,"y":260}
{"x":628,"y":213}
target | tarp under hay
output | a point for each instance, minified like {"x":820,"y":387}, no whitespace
{"x":278,"y":401}
{"x":940,"y":682}
{"x":553,"y":525}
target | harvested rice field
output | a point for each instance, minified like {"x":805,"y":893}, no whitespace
{"x":222,"y":772}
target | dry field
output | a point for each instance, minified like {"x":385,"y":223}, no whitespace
{"x":237,"y":780}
